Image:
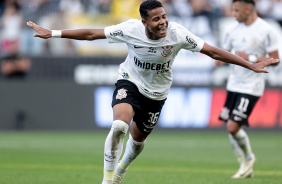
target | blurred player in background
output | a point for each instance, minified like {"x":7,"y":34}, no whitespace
{"x":145,"y":77}
{"x":14,"y":66}
{"x":253,"y":40}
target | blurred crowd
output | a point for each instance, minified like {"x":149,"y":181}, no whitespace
{"x":15,"y":36}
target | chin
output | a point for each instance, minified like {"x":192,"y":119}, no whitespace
{"x":162,"y":35}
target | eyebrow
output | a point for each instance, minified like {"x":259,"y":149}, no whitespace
{"x":158,"y":16}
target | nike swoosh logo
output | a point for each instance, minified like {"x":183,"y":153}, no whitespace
{"x":136,"y":47}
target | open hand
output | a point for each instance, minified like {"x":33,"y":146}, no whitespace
{"x":258,"y":67}
{"x":41,"y":31}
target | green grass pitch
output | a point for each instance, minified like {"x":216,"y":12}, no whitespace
{"x":185,"y":157}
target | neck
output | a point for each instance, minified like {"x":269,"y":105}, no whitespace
{"x":150,"y":35}
{"x":251,"y":19}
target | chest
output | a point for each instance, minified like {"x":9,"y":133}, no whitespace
{"x":248,"y":38}
{"x":157,"y":54}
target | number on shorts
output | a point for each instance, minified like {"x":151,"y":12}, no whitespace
{"x":243,"y":104}
{"x":153,"y":117}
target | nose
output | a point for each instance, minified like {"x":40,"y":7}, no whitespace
{"x":162,"y":21}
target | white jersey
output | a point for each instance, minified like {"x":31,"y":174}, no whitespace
{"x":256,"y":39}
{"x":148,"y":64}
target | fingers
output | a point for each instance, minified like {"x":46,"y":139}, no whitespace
{"x":30,"y":24}
{"x":265,"y":71}
{"x":269,"y":61}
{"x":275,"y":61}
{"x":33,"y":26}
{"x":260,"y":66}
{"x":272,"y":61}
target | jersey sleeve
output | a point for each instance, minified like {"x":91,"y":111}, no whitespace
{"x":119,"y":33}
{"x":271,"y":43}
{"x":188,"y":40}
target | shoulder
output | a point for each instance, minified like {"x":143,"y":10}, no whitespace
{"x":177,"y":29}
{"x":265,"y":28}
{"x":129,"y":23}
{"x":132,"y":23}
{"x":175,"y":26}
{"x":125,"y":27}
{"x":263,"y":24}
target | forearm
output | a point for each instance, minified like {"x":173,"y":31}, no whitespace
{"x":84,"y":34}
{"x":77,"y":34}
{"x":227,"y":57}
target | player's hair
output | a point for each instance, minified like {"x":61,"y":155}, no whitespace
{"x":246,"y":1}
{"x":147,"y":6}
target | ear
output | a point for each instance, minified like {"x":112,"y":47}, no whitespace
{"x":144,"y":23}
{"x":249,"y":9}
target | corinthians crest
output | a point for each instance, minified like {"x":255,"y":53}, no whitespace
{"x":166,"y":51}
{"x":121,"y":94}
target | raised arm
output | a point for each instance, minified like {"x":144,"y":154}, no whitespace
{"x":77,"y":34}
{"x":222,"y":55}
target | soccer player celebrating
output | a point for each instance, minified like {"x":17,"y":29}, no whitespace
{"x":144,"y":77}
{"x":252,"y":39}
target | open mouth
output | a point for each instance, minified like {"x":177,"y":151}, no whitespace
{"x":162,"y":30}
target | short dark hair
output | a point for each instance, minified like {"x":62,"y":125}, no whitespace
{"x":246,"y":1}
{"x":148,"y":5}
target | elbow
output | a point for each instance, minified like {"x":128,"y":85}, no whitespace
{"x":211,"y":51}
{"x":90,"y":36}
{"x":214,"y":55}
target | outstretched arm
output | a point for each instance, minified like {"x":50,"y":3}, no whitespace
{"x":77,"y":34}
{"x":222,"y":55}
